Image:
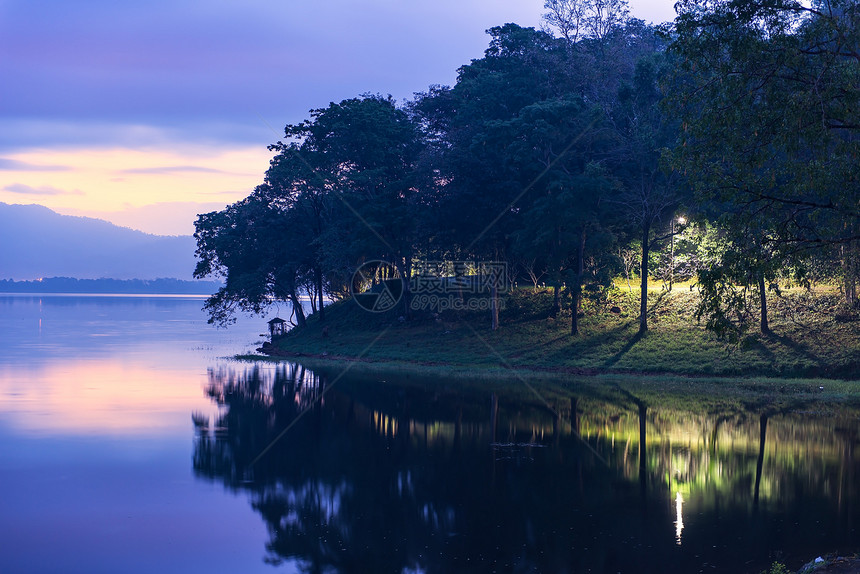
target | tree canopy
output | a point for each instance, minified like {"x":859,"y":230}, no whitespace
{"x":574,"y":154}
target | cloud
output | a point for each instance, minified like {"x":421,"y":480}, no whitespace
{"x":7,"y":164}
{"x":173,"y":169}
{"x":42,"y":190}
{"x":203,"y":71}
{"x":109,"y":73}
{"x":17,"y":134}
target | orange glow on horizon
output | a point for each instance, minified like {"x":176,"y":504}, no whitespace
{"x":119,"y":184}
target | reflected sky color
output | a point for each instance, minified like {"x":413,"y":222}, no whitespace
{"x":109,"y":365}
{"x":96,"y":396}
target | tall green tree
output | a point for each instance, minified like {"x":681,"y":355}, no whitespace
{"x":738,"y":277}
{"x":260,"y":251}
{"x":340,"y":190}
{"x":481,"y":193}
{"x":768,"y":97}
{"x":652,"y":193}
{"x":554,"y":146}
{"x":355,"y":163}
{"x":297,"y":185}
{"x":621,"y":64}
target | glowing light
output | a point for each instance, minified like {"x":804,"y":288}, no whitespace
{"x":679,"y":517}
{"x":682,"y":220}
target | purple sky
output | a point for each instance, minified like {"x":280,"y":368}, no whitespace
{"x":156,"y":90}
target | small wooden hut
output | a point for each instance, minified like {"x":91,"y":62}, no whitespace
{"x":277,"y":328}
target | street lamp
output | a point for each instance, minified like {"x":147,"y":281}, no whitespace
{"x":681,"y":221}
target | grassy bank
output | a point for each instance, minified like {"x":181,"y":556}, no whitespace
{"x":813,"y":337}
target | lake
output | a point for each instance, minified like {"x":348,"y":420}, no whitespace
{"x":130,"y":442}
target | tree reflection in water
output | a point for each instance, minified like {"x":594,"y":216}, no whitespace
{"x":410,"y":477}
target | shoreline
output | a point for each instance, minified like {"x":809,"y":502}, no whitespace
{"x":418,"y":366}
{"x":697,"y":392}
{"x":807,"y":343}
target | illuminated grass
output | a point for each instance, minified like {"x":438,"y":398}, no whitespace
{"x":810,"y":339}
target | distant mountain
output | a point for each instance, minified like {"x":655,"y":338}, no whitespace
{"x":36,"y":242}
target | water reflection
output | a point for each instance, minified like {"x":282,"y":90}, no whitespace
{"x":95,"y":393}
{"x":383,"y":477}
{"x":88,"y":396}
{"x":90,"y":365}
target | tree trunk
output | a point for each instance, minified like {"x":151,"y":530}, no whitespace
{"x":297,"y":309}
{"x":494,"y":298}
{"x":313,"y":298}
{"x":643,"y":295}
{"x":576,"y":293}
{"x":849,"y":270}
{"x":494,"y":306}
{"x":762,"y":291}
{"x":319,"y":281}
{"x":405,"y":270}
{"x":556,"y":306}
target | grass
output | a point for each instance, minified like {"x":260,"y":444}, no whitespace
{"x":813,"y":337}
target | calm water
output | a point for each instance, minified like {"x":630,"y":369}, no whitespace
{"x":129,"y":444}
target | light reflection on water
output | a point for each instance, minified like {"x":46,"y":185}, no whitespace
{"x":432,"y":477}
{"x":679,"y":517}
{"x":128,"y":440}
{"x":73,"y":364}
{"x":95,"y":396}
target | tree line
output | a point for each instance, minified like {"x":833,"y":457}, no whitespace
{"x":720,"y":147}
{"x":161,"y":286}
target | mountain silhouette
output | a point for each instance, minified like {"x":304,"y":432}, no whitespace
{"x":37,"y":242}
